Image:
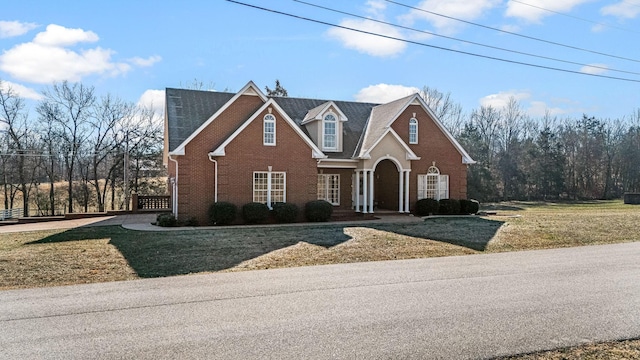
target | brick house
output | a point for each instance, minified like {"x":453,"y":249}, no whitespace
{"x":360,"y":157}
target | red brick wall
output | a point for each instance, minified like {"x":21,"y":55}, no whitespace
{"x":432,"y":146}
{"x":196,"y":177}
{"x":291,"y":155}
{"x":244,"y":155}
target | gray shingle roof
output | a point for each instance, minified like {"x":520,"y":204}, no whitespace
{"x":188,"y":109}
{"x":381,"y":117}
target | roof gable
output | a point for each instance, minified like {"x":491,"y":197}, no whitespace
{"x":317,"y":112}
{"x":383,"y":116}
{"x":249,"y":89}
{"x":316,"y":152}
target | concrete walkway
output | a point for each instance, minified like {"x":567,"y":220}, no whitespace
{"x":143,"y":222}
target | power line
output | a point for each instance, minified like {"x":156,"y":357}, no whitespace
{"x":513,"y":33}
{"x":467,"y":41}
{"x":574,"y":17}
{"x":431,"y":46}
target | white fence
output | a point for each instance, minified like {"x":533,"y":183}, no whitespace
{"x":10,"y":214}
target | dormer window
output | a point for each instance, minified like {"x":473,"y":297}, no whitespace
{"x":329,"y":138}
{"x":269,"y":130}
{"x":413,"y":131}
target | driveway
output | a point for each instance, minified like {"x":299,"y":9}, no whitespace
{"x":466,"y":307}
{"x":124,"y":220}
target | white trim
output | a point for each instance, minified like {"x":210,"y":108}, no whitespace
{"x":329,"y":166}
{"x":320,"y":114}
{"x":174,"y":189}
{"x":392,"y":159}
{"x":316,"y":153}
{"x":413,"y":121}
{"x":466,"y":159}
{"x":325,"y":179}
{"x":250,"y":85}
{"x":410,"y":155}
{"x":269,"y":173}
{"x":264,"y":122}
{"x":335,"y":134}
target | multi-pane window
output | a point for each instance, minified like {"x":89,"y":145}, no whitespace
{"x":330,"y":128}
{"x":269,"y":130}
{"x":433,"y":185}
{"x":269,"y":187}
{"x":329,"y":188}
{"x":413,"y":131}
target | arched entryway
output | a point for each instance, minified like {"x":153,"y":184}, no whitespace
{"x":386,"y":186}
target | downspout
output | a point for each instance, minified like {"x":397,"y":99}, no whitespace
{"x":215,"y":195}
{"x":175,"y":190}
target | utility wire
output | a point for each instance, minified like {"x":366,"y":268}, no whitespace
{"x":467,"y":41}
{"x":513,"y":33}
{"x":574,"y":17}
{"x":428,"y":45}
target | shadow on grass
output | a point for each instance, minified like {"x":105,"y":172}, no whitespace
{"x":471,"y":232}
{"x":159,"y":254}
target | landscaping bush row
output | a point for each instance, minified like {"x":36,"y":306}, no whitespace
{"x":426,"y":207}
{"x":224,"y":213}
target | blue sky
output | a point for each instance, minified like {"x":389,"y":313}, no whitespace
{"x":135,"y":49}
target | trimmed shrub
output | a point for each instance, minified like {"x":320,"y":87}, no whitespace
{"x":285,"y":212}
{"x":449,"y":207}
{"x":191,"y":221}
{"x":427,"y":206}
{"x":318,"y":210}
{"x":166,"y":220}
{"x":469,"y":206}
{"x":222,"y":213}
{"x":255,"y":212}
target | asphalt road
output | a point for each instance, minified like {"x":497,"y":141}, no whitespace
{"x":447,"y":308}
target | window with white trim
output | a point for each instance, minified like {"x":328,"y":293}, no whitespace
{"x":433,"y":185}
{"x":413,"y":131}
{"x":329,"y":188}
{"x":269,"y":187}
{"x":269,"y":130}
{"x":329,"y":128}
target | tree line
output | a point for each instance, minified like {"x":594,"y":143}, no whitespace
{"x":549,"y":158}
{"x":101,"y":147}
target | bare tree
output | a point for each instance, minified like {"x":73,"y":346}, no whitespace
{"x":69,"y":107}
{"x":109,"y":113}
{"x":14,"y":119}
{"x":446,"y":110}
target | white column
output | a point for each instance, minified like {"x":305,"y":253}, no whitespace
{"x":371,"y":191}
{"x":357,"y":187}
{"x":401,"y":191}
{"x":406,"y":191}
{"x":364,"y":191}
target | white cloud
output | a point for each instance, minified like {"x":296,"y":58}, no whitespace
{"x":461,"y":9}
{"x":145,"y":62}
{"x":57,"y":35}
{"x":153,"y":99}
{"x":501,"y":99}
{"x":384,"y":93}
{"x":533,"y":108}
{"x":49,"y":57}
{"x":623,"y":9}
{"x":595,"y":69}
{"x":369,"y":44}
{"x":20,"y":90}
{"x":15,"y":28}
{"x":539,"y":109}
{"x":535,"y":12}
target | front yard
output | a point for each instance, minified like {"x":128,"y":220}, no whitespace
{"x":99,"y":254}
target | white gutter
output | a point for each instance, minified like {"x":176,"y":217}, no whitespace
{"x":215,"y":196}
{"x":175,"y":190}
